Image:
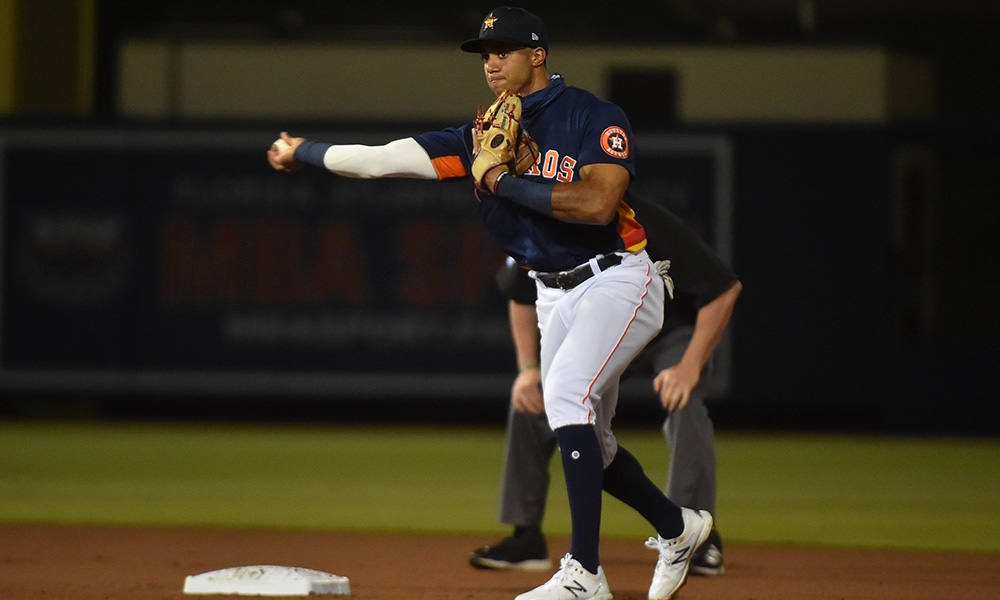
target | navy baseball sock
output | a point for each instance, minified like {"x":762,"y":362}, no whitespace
{"x":624,"y":479}
{"x":582,"y":466}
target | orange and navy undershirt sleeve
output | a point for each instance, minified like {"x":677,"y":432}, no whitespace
{"x":448,"y":167}
{"x":449,"y":150}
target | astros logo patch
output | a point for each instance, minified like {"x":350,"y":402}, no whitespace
{"x":615,"y":142}
{"x":488,"y":22}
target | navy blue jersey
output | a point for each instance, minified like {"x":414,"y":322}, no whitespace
{"x":573,"y":128}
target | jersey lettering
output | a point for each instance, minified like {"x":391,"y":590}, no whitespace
{"x":552,"y":167}
{"x":549,"y":166}
{"x":566,"y":170}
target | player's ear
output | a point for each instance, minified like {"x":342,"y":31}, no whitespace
{"x":538,"y":57}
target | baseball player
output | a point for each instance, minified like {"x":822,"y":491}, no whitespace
{"x":600,"y":298}
{"x":704,"y":296}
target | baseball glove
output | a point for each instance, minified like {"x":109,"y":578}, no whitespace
{"x":499,"y":141}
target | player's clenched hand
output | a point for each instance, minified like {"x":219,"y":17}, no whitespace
{"x":282,"y":158}
{"x":526,"y":393}
{"x":674,"y":386}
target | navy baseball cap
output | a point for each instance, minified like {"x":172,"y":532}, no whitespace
{"x":510,"y":25}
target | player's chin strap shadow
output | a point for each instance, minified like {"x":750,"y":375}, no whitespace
{"x":662,"y":266}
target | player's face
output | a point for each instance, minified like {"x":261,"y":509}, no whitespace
{"x":508,"y":68}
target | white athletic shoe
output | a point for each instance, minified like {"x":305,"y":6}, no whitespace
{"x":571,"y":582}
{"x":675,"y":555}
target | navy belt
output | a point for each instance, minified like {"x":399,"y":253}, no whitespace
{"x":567,"y":280}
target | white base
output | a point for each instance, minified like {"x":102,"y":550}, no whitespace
{"x":266,"y":580}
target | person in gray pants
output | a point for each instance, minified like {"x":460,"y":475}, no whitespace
{"x":704,"y":295}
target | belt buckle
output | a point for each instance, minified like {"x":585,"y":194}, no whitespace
{"x":563,"y":280}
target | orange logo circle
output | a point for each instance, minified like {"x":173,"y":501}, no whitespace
{"x":615,"y":142}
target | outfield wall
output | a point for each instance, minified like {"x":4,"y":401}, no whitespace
{"x":149,"y":261}
{"x":192,"y":267}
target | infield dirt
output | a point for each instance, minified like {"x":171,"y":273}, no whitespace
{"x":46,"y":562}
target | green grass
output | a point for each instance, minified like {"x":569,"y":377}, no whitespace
{"x":941,"y":494}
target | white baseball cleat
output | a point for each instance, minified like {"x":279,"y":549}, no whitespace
{"x":571,"y":582}
{"x":675,"y":555}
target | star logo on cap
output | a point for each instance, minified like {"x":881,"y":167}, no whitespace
{"x":489,"y":21}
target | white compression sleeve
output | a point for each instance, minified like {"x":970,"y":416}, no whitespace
{"x":399,"y":158}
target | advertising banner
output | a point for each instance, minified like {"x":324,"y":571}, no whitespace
{"x":181,"y":262}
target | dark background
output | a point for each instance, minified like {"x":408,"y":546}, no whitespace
{"x":868,"y":253}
